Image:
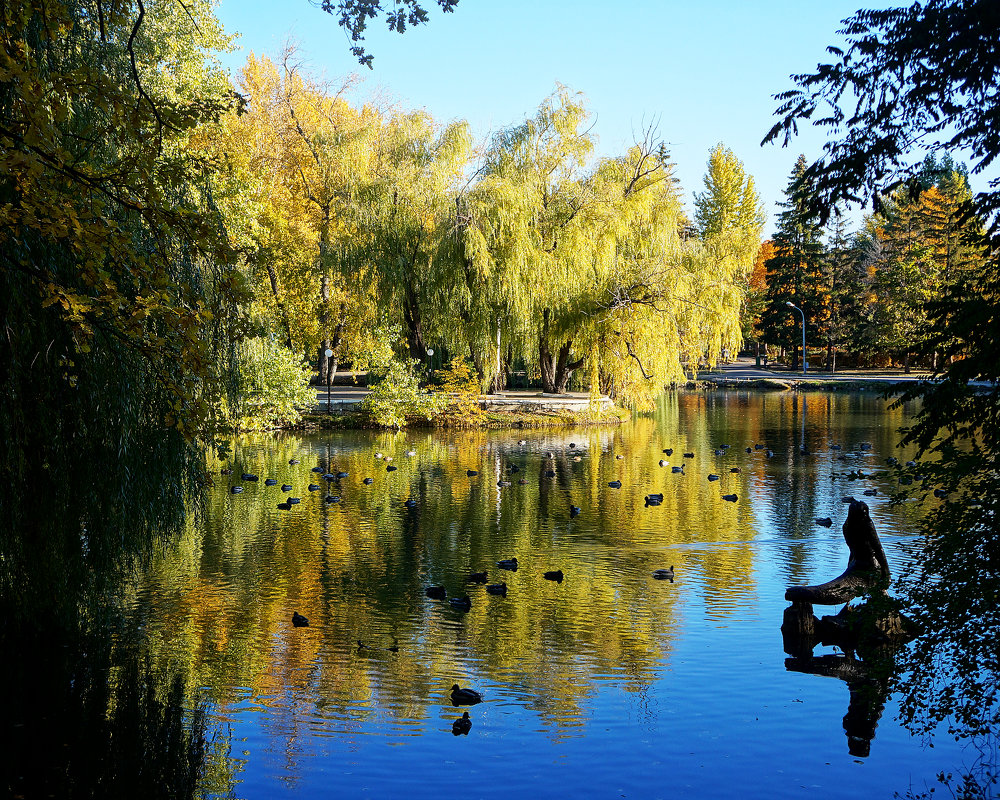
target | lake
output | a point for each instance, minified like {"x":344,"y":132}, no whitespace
{"x":609,"y":683}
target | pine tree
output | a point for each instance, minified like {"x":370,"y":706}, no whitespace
{"x":795,"y":273}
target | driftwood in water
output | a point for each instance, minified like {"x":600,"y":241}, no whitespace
{"x":867,"y":567}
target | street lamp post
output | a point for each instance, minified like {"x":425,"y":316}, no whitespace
{"x":329,"y":405}
{"x":792,"y":305}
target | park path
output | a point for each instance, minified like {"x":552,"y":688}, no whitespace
{"x":342,"y":398}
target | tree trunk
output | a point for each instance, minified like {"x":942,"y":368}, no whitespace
{"x":283,"y":312}
{"x":795,"y":358}
{"x":906,"y":363}
{"x":557,"y":369}
{"x":414,"y":326}
{"x":829,"y":356}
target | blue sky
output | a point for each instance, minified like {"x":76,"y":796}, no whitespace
{"x":703,"y":72}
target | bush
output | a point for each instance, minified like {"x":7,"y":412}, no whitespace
{"x":273,"y":386}
{"x":398,"y":395}
{"x":459,"y":388}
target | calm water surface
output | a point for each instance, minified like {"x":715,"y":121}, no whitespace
{"x":609,"y":684}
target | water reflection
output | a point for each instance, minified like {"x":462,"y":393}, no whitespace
{"x":575,"y":663}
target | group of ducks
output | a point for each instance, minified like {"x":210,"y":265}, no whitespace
{"x":466,"y":696}
{"x":464,"y":603}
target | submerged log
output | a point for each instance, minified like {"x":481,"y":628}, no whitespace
{"x":867,"y":567}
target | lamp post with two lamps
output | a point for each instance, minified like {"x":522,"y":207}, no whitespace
{"x":792,"y":305}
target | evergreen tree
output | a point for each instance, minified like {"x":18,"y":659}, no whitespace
{"x":795,"y":272}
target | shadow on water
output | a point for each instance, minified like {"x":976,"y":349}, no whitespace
{"x":87,"y":712}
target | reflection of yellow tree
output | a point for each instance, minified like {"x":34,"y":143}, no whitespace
{"x":358,"y":568}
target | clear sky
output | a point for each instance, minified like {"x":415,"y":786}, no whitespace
{"x":704,"y":72}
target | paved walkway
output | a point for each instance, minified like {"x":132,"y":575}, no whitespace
{"x":746,"y":369}
{"x":342,"y":398}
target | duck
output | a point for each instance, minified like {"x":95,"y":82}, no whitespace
{"x":689,"y":455}
{"x":749,"y":450}
{"x":512,"y":468}
{"x":669,"y":451}
{"x":329,"y":477}
{"x":436,"y":592}
{"x":379,"y":456}
{"x":293,"y":501}
{"x":574,"y":511}
{"x":462,"y":725}
{"x":294,"y":461}
{"x":870,"y":492}
{"x":236,"y":489}
{"x":391,"y":468}
{"x":735,"y":470}
{"x":619,"y":457}
{"x":892,"y":461}
{"x":758,"y":447}
{"x":508,"y":563}
{"x":410,"y":503}
{"x":720,"y":452}
{"x":342,"y":475}
{"x":656,"y":497}
{"x":476,"y":577}
{"x":316,"y":469}
{"x":713,"y":477}
{"x":368,"y":481}
{"x":732,"y":498}
{"x":826,"y":522}
{"x":522,"y":442}
{"x":503,"y":484}
{"x":572,"y":445}
{"x":664,"y":574}
{"x":225,"y":471}
{"x":271,"y":482}
{"x":664,"y":463}
{"x":248,"y":476}
{"x":461,"y":603}
{"x":940,"y":493}
{"x":394,"y":647}
{"x":835,"y":447}
{"x":331,"y":498}
{"x":411,"y":453}
{"x":522,"y":481}
{"x":286,"y":487}
{"x":313,"y":487}
{"x":550,"y":473}
{"x":285,"y":506}
{"x":677,"y":470}
{"x":299,"y":621}
{"x":769,"y":453}
{"x":554,"y":575}
{"x":497,"y":588}
{"x":866,"y":446}
{"x":615,"y":484}
{"x":471,"y":473}
{"x":465,"y":697}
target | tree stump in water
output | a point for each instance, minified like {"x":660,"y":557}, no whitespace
{"x":867,"y":567}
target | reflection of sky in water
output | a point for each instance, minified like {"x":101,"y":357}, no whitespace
{"x":609,"y":684}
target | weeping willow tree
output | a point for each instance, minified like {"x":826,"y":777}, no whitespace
{"x":570,"y":266}
{"x":402,"y":214}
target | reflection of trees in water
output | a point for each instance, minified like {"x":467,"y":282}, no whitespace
{"x":88,"y":713}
